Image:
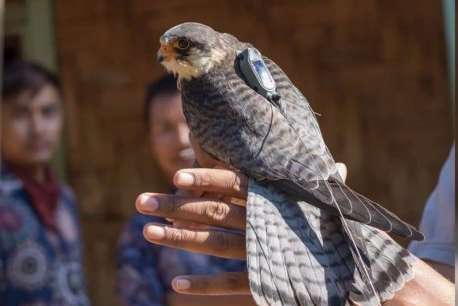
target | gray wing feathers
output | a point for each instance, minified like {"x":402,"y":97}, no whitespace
{"x":312,"y":159}
{"x":390,"y":264}
{"x":267,"y":268}
{"x":334,"y":194}
{"x":302,"y":118}
{"x":356,"y":206}
{"x":298,"y":254}
{"x":291,"y":267}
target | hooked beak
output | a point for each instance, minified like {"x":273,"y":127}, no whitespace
{"x":160,"y":57}
{"x":165,"y":53}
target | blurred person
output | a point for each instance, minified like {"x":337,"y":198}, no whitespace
{"x":40,"y":247}
{"x":438,"y":223}
{"x":145,"y":271}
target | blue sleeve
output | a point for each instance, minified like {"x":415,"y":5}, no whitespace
{"x":138,"y":278}
{"x":438,"y":220}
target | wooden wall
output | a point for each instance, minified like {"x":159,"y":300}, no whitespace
{"x":374,"y":69}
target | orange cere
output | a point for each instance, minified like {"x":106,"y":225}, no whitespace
{"x":167,"y":51}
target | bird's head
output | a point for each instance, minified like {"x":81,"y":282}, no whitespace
{"x":191,"y":49}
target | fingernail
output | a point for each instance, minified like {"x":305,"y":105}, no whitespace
{"x":182,"y":283}
{"x":155,"y":232}
{"x":185,"y":179}
{"x":149,"y":202}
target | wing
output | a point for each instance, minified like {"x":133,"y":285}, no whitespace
{"x":279,"y":143}
{"x":334,"y":195}
{"x":298,"y":255}
{"x":300,"y":115}
{"x":312,"y":173}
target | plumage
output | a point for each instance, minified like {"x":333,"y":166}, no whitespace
{"x":318,"y":263}
{"x":297,"y":195}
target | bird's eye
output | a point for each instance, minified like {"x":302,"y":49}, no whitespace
{"x":183,"y":44}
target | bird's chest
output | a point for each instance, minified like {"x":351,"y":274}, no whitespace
{"x":207,"y":111}
{"x":222,"y":122}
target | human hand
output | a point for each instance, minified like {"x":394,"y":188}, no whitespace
{"x":220,"y":217}
{"x":224,"y":238}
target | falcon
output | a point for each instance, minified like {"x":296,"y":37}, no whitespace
{"x":311,"y":239}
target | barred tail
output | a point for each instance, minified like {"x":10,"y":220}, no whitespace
{"x":298,"y":254}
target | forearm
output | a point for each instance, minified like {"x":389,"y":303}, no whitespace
{"x":427,"y":288}
{"x":445,"y":270}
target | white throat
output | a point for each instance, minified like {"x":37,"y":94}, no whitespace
{"x":196,"y":64}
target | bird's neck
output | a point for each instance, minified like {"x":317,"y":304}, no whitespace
{"x":201,"y":82}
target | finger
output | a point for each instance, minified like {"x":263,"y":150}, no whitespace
{"x":342,"y":169}
{"x":200,"y":210}
{"x":221,"y":284}
{"x":235,"y":201}
{"x":195,"y":193}
{"x":211,"y":242}
{"x":227,"y":182}
{"x":190,"y":225}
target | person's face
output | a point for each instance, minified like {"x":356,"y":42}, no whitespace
{"x":169,"y":134}
{"x":31,"y":126}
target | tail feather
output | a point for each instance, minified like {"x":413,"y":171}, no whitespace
{"x":390,"y":264}
{"x":299,"y":254}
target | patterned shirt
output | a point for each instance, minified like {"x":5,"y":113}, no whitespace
{"x":145,"y":270}
{"x":38,"y":267}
